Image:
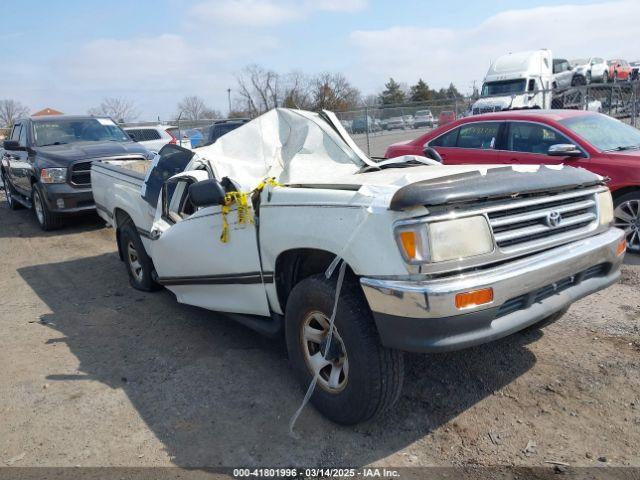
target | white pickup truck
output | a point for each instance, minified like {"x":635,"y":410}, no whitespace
{"x":438,"y":257}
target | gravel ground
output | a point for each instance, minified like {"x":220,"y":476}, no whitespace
{"x":98,"y":374}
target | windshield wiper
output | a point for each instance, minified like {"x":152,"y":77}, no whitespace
{"x":54,"y":143}
{"x":623,"y":148}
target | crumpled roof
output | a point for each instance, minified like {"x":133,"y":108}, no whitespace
{"x":294,"y":146}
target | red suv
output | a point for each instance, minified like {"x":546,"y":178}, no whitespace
{"x":619,"y":70}
{"x":577,"y":138}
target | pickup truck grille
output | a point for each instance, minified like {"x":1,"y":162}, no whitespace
{"x":523,"y":224}
{"x":81,"y":174}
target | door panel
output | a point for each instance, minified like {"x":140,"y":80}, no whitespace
{"x":528,"y":143}
{"x":192,"y":262}
{"x":475,"y":143}
{"x":18,"y":161}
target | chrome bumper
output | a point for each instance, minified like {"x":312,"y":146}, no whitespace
{"x":422,"y":316}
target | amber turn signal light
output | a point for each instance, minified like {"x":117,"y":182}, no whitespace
{"x":622,"y":247}
{"x":408,"y":240}
{"x":474,"y":298}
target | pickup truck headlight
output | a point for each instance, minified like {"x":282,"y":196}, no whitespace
{"x":605,"y":207}
{"x":446,"y":240}
{"x":53,"y":175}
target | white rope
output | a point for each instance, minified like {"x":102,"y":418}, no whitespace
{"x":312,"y":385}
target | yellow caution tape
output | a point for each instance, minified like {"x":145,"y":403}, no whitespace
{"x":241,"y":200}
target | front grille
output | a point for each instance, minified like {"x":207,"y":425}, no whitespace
{"x":522,"y":224}
{"x":524,"y":301}
{"x":81,"y":174}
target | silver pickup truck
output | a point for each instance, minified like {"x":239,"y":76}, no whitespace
{"x":438,"y":257}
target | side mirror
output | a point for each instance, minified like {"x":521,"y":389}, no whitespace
{"x":564,"y":150}
{"x":432,"y":153}
{"x":12,"y":145}
{"x":206,"y":193}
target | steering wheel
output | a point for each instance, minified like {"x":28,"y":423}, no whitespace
{"x":433,"y":154}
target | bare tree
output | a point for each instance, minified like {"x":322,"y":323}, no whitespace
{"x":297,"y":91}
{"x":260,"y":89}
{"x":118,"y":108}
{"x":371,"y":100}
{"x":332,"y":91}
{"x":211,"y":113}
{"x":10,"y":111}
{"x":194,"y":108}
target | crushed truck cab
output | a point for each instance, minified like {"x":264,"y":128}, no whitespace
{"x":439,"y":257}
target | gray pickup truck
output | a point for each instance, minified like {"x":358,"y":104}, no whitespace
{"x":46,"y":163}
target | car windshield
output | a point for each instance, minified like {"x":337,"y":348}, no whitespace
{"x":70,"y":130}
{"x":579,"y":61}
{"x":423,"y":113}
{"x":603,"y":132}
{"x":504,"y":87}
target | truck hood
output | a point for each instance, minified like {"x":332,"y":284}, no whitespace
{"x":304,"y":149}
{"x":63,"y":155}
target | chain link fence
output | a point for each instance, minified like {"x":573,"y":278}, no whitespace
{"x":375,"y":128}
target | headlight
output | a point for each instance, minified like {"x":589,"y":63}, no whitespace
{"x":446,"y":240}
{"x":605,"y":208}
{"x":53,"y":175}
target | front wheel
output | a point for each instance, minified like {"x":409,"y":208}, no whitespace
{"x":605,"y":77}
{"x":627,"y":217}
{"x":358,"y":379}
{"x":588,"y":78}
{"x":45,"y":217}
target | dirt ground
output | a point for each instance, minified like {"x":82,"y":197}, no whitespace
{"x":94,"y":373}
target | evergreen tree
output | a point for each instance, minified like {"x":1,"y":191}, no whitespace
{"x":392,"y":93}
{"x":420,"y":92}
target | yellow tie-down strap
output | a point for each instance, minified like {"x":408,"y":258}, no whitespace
{"x":241,"y":201}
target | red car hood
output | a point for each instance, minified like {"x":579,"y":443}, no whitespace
{"x":629,"y":158}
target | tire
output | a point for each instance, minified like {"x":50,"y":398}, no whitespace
{"x":45,"y":217}
{"x":627,"y":217}
{"x":139,"y":265}
{"x":8,"y":190}
{"x":615,"y":77}
{"x":371,"y":375}
{"x":605,"y":77}
{"x":588,"y":79}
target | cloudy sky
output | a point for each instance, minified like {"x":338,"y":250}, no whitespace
{"x":70,"y":54}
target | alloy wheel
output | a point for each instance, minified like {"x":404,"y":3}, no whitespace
{"x":134,"y":262}
{"x":332,"y":371}
{"x":37,"y":207}
{"x":627,"y":217}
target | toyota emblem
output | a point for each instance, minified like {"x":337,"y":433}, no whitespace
{"x":554,"y":218}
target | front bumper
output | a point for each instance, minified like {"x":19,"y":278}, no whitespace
{"x":421,"y":316}
{"x":63,"y":198}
